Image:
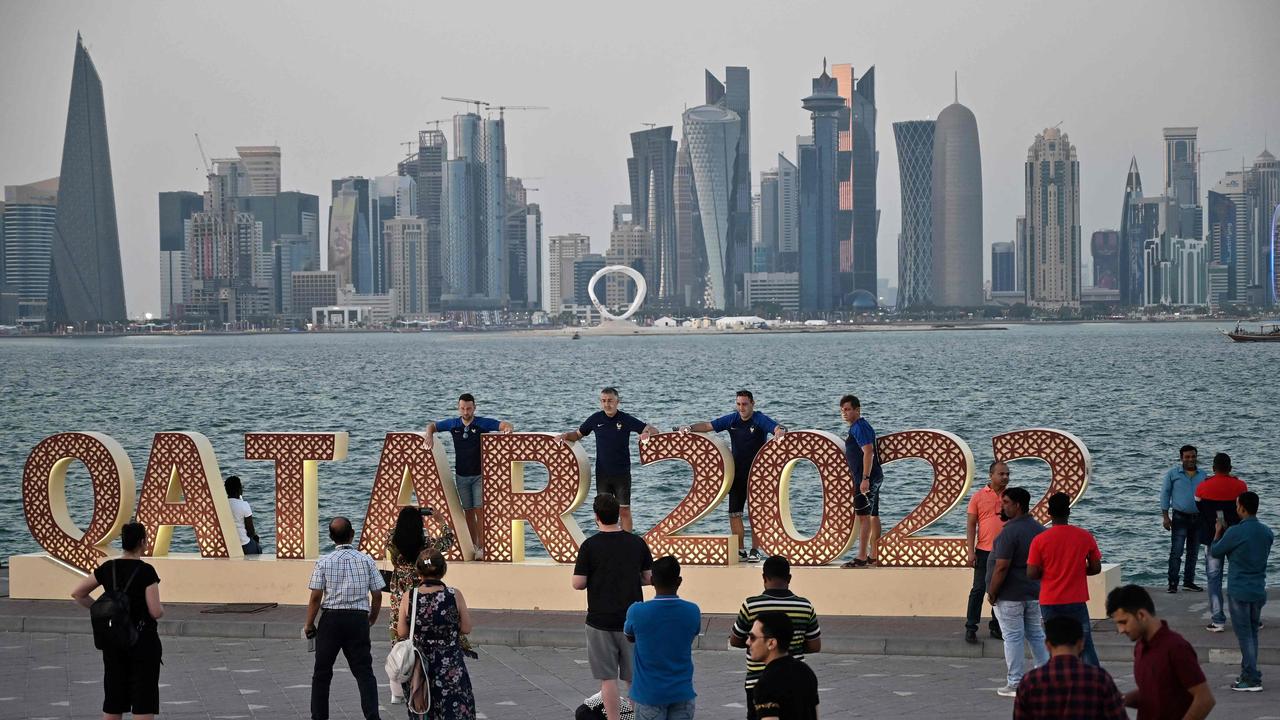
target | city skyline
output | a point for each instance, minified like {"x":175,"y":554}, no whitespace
{"x":578,"y":148}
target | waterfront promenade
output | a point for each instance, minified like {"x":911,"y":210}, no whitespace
{"x":532,"y":664}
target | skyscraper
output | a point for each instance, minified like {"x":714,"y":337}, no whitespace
{"x":176,"y":208}
{"x":820,"y":289}
{"x":287,"y":213}
{"x":632,"y":246}
{"x":426,"y":167}
{"x":348,"y":229}
{"x":30,"y":215}
{"x":524,"y":247}
{"x":563,"y":251}
{"x":262,"y":164}
{"x":765,"y":254}
{"x":406,"y":238}
{"x":734,"y":94}
{"x":915,"y":244}
{"x":957,"y":209}
{"x":788,"y":216}
{"x":712,"y":134}
{"x":1053,"y":222}
{"x":1002,"y":267}
{"x":1181,"y":165}
{"x":86,"y":283}
{"x":1265,"y":183}
{"x":473,"y":216}
{"x":1020,"y":252}
{"x":859,"y":217}
{"x":1133,"y":231}
{"x":1104,"y":248}
{"x":691,"y":269}
{"x":1233,"y":211}
{"x":228,"y":267}
{"x":583,"y":269}
{"x":651,"y":173}
{"x":390,"y":197}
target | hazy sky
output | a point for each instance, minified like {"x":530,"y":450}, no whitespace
{"x":340,"y":85}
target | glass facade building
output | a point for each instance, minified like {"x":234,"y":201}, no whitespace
{"x":86,"y":283}
{"x":651,"y":174}
{"x":957,"y":209}
{"x":30,"y":215}
{"x":820,"y":288}
{"x":712,"y":134}
{"x":914,"y":139}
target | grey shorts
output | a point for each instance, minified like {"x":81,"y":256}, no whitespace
{"x":470,"y":491}
{"x":608,"y":654}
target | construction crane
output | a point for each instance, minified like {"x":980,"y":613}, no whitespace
{"x":207,"y":170}
{"x":468,"y":101}
{"x":437,"y":122}
{"x":650,"y":125}
{"x":1201,"y":153}
{"x":501,"y":108}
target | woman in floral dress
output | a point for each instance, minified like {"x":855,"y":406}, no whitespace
{"x":407,"y":540}
{"x":442,"y":617}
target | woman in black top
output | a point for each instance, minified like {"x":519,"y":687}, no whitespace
{"x":131,"y":678}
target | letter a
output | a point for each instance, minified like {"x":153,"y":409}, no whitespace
{"x":183,"y":486}
{"x":408,"y":466}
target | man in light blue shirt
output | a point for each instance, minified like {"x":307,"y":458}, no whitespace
{"x":1246,"y":547}
{"x":1178,"y":495}
{"x":663,"y":630}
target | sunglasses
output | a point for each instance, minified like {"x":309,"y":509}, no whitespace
{"x":752,"y":637}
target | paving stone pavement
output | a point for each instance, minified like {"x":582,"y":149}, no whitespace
{"x":60,"y":676}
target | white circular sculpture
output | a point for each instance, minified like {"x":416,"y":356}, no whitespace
{"x":641,"y":289}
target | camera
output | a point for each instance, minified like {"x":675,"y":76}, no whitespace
{"x":426,"y":511}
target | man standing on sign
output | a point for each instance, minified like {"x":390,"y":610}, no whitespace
{"x":466,"y":430}
{"x":748,"y":432}
{"x":613,"y":429}
{"x":864,"y":463}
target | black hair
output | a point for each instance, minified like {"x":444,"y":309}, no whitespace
{"x":340,"y":530}
{"x":1222,"y":463}
{"x":467,"y":397}
{"x":1020,"y":496}
{"x":665,"y":572}
{"x":1186,"y":449}
{"x":992,"y":467}
{"x":407,"y":535}
{"x":778,"y":626}
{"x":431,"y":564}
{"x":746,"y":394}
{"x":606,"y":508}
{"x":1131,"y":599}
{"x":610,"y":390}
{"x":1059,"y":506}
{"x":132,"y":536}
{"x":233,"y":486}
{"x":1062,"y":630}
{"x":1249,"y":501}
{"x":851,"y":399}
{"x":776,"y":567}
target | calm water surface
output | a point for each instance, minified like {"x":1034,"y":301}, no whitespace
{"x":1133,"y":392}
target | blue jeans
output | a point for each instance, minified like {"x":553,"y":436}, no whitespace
{"x":673,"y":711}
{"x":1019,"y":621}
{"x":1080,"y":613}
{"x":1185,"y":532}
{"x":1245,"y":617}
{"x":1213,"y":579}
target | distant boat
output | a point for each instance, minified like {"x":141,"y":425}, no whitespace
{"x":576,"y":336}
{"x":1269,"y":332}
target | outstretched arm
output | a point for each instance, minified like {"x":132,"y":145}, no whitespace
{"x":698,"y":427}
{"x":506,"y":427}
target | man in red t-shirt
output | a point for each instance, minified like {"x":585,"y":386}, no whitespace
{"x":1216,"y":498}
{"x":1165,"y":668}
{"x":984,"y":523}
{"x":1062,"y":558}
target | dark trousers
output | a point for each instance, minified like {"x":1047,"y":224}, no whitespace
{"x":1185,"y":533}
{"x":751,"y":706}
{"x":348,"y":631}
{"x":1080,"y":613}
{"x":978,"y":592}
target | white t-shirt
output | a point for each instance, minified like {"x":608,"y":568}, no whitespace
{"x":239,"y":511}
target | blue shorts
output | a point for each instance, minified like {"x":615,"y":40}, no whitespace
{"x":470,"y":491}
{"x":868,"y":504}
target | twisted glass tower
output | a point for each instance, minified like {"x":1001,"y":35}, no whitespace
{"x":915,"y":245}
{"x":712,"y":134}
{"x":85,"y":279}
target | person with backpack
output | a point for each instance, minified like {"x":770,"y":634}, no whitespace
{"x":124,"y":628}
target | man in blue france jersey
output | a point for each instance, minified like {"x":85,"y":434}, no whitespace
{"x":864,"y":464}
{"x":613,"y":429}
{"x":748,"y":432}
{"x":466,"y":430}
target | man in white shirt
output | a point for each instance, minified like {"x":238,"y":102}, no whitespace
{"x":243,"y":515}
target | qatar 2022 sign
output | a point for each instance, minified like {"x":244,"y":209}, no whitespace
{"x":182,"y":486}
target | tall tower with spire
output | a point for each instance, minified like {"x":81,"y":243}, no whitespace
{"x":86,"y":283}
{"x":1132,"y":234}
{"x":820,"y":289}
{"x":957,"y":208}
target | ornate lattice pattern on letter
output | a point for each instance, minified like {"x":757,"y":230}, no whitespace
{"x":184,"y":487}
{"x":296,"y":456}
{"x":712,"y":466}
{"x":408,"y":469}
{"x":1068,"y":459}
{"x":952,"y":463}
{"x":767,"y":497}
{"x":44,"y":495}
{"x":549,"y":511}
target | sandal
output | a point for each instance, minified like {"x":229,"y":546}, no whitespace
{"x":855,"y":563}
{"x":873,"y":562}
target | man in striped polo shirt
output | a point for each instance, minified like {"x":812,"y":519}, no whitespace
{"x":777,"y":597}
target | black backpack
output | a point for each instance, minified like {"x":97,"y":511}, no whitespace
{"x":113,"y":628}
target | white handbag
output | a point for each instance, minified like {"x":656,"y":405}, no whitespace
{"x":399,"y":665}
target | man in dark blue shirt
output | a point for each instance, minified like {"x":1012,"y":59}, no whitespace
{"x":864,"y":463}
{"x":613,"y":429}
{"x":748,"y":432}
{"x":466,"y":430}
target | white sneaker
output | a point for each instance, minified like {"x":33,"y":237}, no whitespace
{"x":754,"y":556}
{"x":1215,"y":627}
{"x":478,"y":554}
{"x":397,"y":699}
{"x":1007,"y":691}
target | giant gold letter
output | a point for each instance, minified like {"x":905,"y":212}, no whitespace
{"x":408,"y":467}
{"x":297,"y":456}
{"x":183,"y":486}
{"x":507,"y":506}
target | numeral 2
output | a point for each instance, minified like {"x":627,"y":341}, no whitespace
{"x":952,"y":462}
{"x":712,"y":466}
